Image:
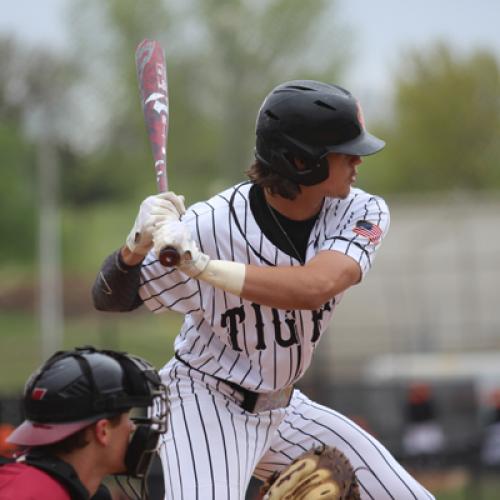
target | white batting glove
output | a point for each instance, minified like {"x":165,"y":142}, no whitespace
{"x":154,"y":210}
{"x":175,"y":234}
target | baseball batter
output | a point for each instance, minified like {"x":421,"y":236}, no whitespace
{"x":264,"y":265}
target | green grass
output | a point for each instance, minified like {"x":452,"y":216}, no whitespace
{"x":140,"y":332}
{"x":460,"y":483}
{"x":88,"y":236}
{"x":91,"y":233}
{"x":486,"y":490}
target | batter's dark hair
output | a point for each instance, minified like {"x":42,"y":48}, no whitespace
{"x":275,"y":183}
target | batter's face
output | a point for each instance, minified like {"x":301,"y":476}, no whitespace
{"x":343,"y":174}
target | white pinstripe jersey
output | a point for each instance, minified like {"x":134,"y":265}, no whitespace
{"x":258,"y":347}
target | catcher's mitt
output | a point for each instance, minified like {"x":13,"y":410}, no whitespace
{"x":323,"y":473}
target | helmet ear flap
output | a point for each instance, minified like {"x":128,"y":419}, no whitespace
{"x":309,"y":172}
{"x":283,"y":159}
{"x":314,"y":172}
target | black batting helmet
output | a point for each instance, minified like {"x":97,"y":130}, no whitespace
{"x":306,"y":120}
{"x":75,"y":388}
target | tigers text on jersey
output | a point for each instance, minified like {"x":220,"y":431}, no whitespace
{"x":260,"y":348}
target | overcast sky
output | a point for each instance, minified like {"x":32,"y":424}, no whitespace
{"x":388,"y":27}
{"x":382,"y":29}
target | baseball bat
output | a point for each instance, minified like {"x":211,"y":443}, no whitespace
{"x":153,"y":89}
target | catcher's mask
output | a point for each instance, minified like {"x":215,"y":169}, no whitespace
{"x":305,"y":120}
{"x":73,"y":389}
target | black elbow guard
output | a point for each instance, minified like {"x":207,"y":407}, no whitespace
{"x":116,"y":286}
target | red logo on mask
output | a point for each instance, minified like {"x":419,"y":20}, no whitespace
{"x":38,"y":393}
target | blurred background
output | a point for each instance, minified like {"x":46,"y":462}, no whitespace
{"x":413,"y":354}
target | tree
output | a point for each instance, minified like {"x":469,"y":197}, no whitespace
{"x":222,"y":58}
{"x":248,"y":48}
{"x":33,"y":107}
{"x":446,"y":124}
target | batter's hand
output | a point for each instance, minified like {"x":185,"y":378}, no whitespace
{"x":154,"y":210}
{"x":174,"y":233}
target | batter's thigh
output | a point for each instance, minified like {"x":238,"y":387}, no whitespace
{"x":308,"y":424}
{"x":212,"y":445}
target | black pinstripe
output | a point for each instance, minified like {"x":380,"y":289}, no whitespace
{"x":215,"y":446}
{"x":268,"y":441}
{"x":215,"y":354}
{"x":240,"y":484}
{"x":300,"y":434}
{"x":366,"y":463}
{"x":210,"y":464}
{"x":172,"y":430}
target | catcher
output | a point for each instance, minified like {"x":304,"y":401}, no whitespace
{"x":79,"y":427}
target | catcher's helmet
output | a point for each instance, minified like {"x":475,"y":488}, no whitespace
{"x":306,"y":120}
{"x":73,"y":389}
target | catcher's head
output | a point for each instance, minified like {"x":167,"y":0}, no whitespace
{"x":73,"y":389}
{"x":301,"y":121}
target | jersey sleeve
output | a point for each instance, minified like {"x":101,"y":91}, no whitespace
{"x":163,"y":288}
{"x":360,"y":232}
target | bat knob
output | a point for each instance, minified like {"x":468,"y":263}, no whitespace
{"x":169,"y":257}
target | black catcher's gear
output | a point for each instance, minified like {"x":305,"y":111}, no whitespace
{"x":86,"y":384}
{"x":305,"y":120}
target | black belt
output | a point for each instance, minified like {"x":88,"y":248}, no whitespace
{"x":254,"y":402}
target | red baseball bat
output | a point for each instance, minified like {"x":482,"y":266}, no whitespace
{"x":153,"y":87}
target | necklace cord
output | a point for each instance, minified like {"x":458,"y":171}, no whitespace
{"x":285,"y":234}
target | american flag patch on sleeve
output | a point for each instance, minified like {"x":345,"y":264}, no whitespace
{"x":368,"y":230}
